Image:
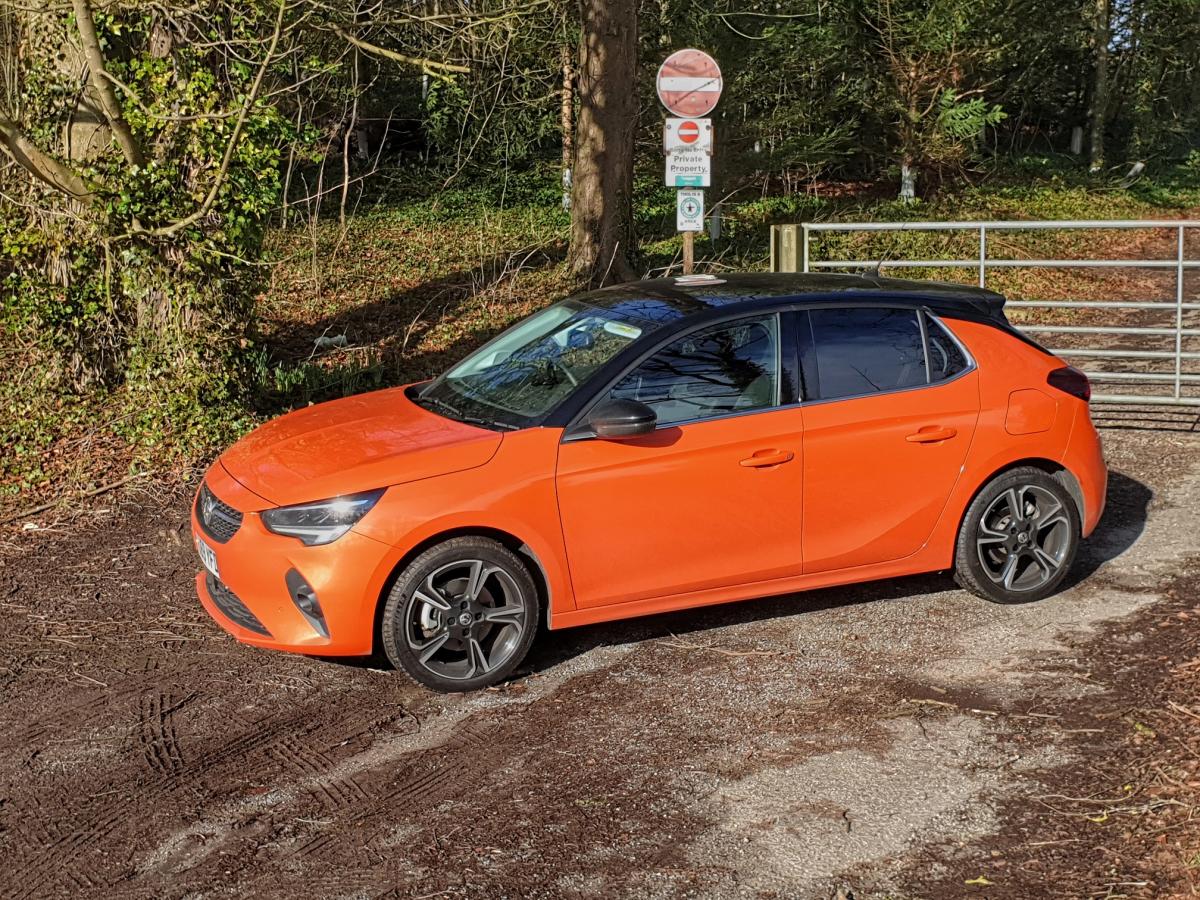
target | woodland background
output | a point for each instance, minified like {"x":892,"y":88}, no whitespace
{"x":213,"y":212}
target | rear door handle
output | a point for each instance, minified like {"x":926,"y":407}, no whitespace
{"x":763,"y":458}
{"x":931,"y":434}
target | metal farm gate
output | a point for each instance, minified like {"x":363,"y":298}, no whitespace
{"x":1143,"y":347}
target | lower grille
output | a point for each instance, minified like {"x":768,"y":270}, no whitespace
{"x":233,"y":608}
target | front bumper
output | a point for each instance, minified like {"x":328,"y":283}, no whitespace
{"x":252,"y":600}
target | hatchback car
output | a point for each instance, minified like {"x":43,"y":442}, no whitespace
{"x":650,"y":447}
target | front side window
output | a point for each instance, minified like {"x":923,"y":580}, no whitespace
{"x":531,"y":368}
{"x":728,"y":368}
{"x":867,"y":350}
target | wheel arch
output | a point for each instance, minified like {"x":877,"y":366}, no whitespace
{"x":1052,"y":468}
{"x":518,"y":546}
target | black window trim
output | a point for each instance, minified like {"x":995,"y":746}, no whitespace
{"x":924,"y":326}
{"x":785,"y":359}
{"x":572,"y":412}
{"x":922,"y":312}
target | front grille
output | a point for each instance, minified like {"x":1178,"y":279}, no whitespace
{"x":228,"y":603}
{"x":220,"y":521}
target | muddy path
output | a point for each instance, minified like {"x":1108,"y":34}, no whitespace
{"x":786,"y":747}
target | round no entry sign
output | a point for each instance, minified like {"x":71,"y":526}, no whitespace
{"x":689,"y":132}
{"x":689,"y":84}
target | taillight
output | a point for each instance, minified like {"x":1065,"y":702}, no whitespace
{"x":1071,"y":381}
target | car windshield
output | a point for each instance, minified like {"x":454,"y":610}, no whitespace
{"x":518,"y":378}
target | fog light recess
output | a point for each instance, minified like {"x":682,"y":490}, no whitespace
{"x":305,"y":599}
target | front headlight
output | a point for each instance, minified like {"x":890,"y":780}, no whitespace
{"x":323,"y":521}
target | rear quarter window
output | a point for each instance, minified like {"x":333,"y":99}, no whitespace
{"x":946,"y":357}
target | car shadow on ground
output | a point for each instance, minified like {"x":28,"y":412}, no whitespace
{"x":1123,"y":523}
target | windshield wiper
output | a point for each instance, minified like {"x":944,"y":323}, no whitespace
{"x":485,"y":423}
{"x":458,"y":415}
{"x":442,"y":404}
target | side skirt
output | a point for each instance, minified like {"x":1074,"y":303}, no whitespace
{"x":923,"y":561}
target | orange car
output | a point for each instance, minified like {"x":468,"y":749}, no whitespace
{"x":651,"y":447}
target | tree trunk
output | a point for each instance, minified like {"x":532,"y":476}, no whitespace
{"x":908,"y":181}
{"x":601,"y":197}
{"x":1100,"y":40}
{"x":567,"y":122}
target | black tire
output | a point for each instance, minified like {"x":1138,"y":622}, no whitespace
{"x":483,"y":638}
{"x":1023,"y":558}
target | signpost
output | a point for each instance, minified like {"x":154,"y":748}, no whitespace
{"x":689,"y":85}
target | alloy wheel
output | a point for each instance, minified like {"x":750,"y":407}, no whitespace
{"x":465,"y":620}
{"x":1024,"y":538}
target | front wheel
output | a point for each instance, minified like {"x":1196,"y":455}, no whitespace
{"x":461,"y":616}
{"x":1018,"y":539}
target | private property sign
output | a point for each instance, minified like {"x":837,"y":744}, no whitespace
{"x":689,"y":86}
{"x":689,"y":168}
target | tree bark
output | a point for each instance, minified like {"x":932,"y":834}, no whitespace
{"x":602,"y":189}
{"x":567,"y":121}
{"x":103,"y":87}
{"x":1099,"y":109}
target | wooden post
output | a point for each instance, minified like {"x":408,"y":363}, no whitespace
{"x":689,"y":251}
{"x":788,"y":248}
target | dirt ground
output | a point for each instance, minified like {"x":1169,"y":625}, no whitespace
{"x":896,"y":739}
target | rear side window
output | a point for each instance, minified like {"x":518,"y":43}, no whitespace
{"x":728,"y":368}
{"x":867,"y":350}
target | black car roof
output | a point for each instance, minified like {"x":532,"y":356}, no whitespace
{"x":671,"y":299}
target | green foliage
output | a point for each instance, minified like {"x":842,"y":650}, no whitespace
{"x":962,"y":120}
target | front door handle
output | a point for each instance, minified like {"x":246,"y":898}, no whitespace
{"x":931,"y":434}
{"x":763,"y":458}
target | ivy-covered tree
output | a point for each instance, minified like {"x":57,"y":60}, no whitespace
{"x":142,"y":157}
{"x":145,"y":149}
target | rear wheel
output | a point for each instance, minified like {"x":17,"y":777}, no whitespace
{"x":461,"y":616}
{"x":1018,"y":539}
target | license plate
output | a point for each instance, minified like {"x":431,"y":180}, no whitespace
{"x":208,"y":556}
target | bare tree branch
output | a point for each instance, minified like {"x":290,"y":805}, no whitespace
{"x":429,"y":66}
{"x":45,"y":168}
{"x":103,"y":86}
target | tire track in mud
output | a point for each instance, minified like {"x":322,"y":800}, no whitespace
{"x":156,"y":733}
{"x":442,"y":773}
{"x":85,"y":711}
{"x":400,"y":780}
{"x":311,"y":766}
{"x":49,"y":853}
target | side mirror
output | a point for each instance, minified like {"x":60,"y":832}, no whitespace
{"x":622,"y":419}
